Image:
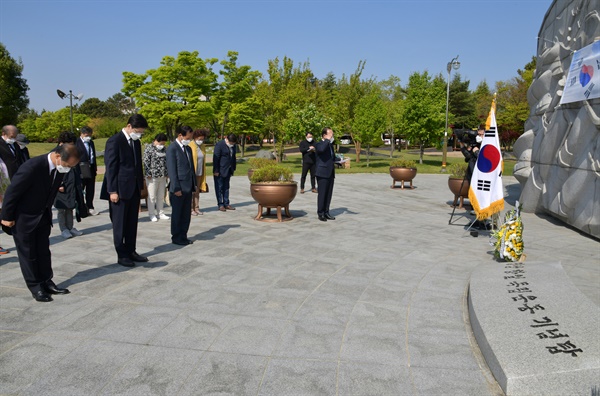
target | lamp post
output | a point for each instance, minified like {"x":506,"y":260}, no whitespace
{"x":63,"y":95}
{"x":453,"y":64}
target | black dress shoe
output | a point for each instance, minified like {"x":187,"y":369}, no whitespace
{"x":137,"y":257}
{"x":322,"y":218}
{"x":125,"y":262}
{"x":185,"y":242}
{"x":329,"y":217}
{"x":41,"y":296}
{"x":51,"y":288}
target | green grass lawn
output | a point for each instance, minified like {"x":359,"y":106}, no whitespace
{"x":376,"y":164}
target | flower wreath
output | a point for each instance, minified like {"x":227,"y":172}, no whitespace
{"x":508,"y":240}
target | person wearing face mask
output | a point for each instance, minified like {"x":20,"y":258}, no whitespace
{"x":27,"y":215}
{"x":10,"y":152}
{"x":88,"y":167}
{"x":182,"y":183}
{"x":70,"y":194}
{"x":224,"y":163}
{"x":325,"y":173}
{"x":22,"y":141}
{"x":155,"y":170}
{"x":309,"y":161}
{"x":122,"y":186}
{"x":199,"y":159}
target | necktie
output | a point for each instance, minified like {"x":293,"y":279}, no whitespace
{"x":89,"y":150}
{"x":133,"y":149}
{"x":52,"y":177}
{"x":12,"y":148}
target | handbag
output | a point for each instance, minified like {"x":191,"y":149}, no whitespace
{"x":86,"y":170}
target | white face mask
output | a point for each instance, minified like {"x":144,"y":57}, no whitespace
{"x":10,"y":140}
{"x":332,"y":139}
{"x":22,"y":145}
{"x":479,"y":139}
{"x":199,"y":142}
{"x":230,"y":145}
{"x":160,"y":146}
{"x":185,"y":142}
{"x":309,"y":139}
{"x":62,"y":169}
{"x":86,"y":139}
{"x":135,"y":136}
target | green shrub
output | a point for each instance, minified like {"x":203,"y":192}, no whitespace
{"x":272,"y":173}
{"x":458,"y":170}
{"x":403,"y":163}
{"x":257,"y":163}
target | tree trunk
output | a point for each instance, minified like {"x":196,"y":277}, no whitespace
{"x":393,"y":143}
{"x":243,"y":144}
{"x":422,"y":151}
{"x":368,"y":154}
{"x":357,"y":149}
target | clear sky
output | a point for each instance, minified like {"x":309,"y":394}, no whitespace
{"x":85,"y":45}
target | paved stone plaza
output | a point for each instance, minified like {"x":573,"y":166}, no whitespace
{"x":373,"y":303}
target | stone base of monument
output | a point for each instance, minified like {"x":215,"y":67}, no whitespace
{"x":538,"y":333}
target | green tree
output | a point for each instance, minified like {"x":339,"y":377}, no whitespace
{"x":238,"y":85}
{"x":346,"y":98}
{"x":370,"y":118}
{"x":119,"y":106}
{"x":49,"y":125}
{"x":512,"y":107}
{"x":13,"y":94}
{"x":244,"y":119}
{"x":287,"y":86}
{"x":483,"y":101}
{"x":424,"y":113}
{"x":302,"y":120}
{"x":461,"y":104}
{"x":92,"y":107}
{"x":175,"y":93}
{"x":393,"y":100}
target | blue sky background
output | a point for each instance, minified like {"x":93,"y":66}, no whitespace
{"x":85,"y":46}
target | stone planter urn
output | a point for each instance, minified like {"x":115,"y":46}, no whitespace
{"x":455,"y":183}
{"x":402,"y":175}
{"x":274,"y":195}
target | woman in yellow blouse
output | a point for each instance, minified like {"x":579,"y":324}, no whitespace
{"x":199,"y":159}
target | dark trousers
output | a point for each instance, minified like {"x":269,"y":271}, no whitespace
{"x":324,"y":195}
{"x":89,"y":186}
{"x":33,"y":249}
{"x":181,"y":215}
{"x":305,"y":169}
{"x":124,"y":216}
{"x":222,"y":190}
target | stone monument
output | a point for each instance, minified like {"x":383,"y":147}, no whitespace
{"x":559,"y":153}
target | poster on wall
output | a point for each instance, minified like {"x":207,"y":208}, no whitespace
{"x":583,"y":80}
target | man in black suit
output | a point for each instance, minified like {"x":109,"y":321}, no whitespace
{"x":87,"y":149}
{"x":27,"y":214}
{"x":325,"y":173}
{"x":123,"y":182}
{"x":224,"y":163}
{"x":182,"y":183}
{"x":9,"y":149}
{"x":307,"y":148}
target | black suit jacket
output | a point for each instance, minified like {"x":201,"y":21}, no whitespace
{"x":31,"y":194}
{"x":123,"y":173}
{"x":308,"y":157}
{"x":325,"y":159}
{"x":223,"y":161}
{"x":180,"y":169}
{"x":12,"y":161}
{"x":84,"y":156}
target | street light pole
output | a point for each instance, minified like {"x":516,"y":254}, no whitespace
{"x":62,"y":95}
{"x":453,"y":64}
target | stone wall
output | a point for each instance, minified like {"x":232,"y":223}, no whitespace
{"x":559,"y":153}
